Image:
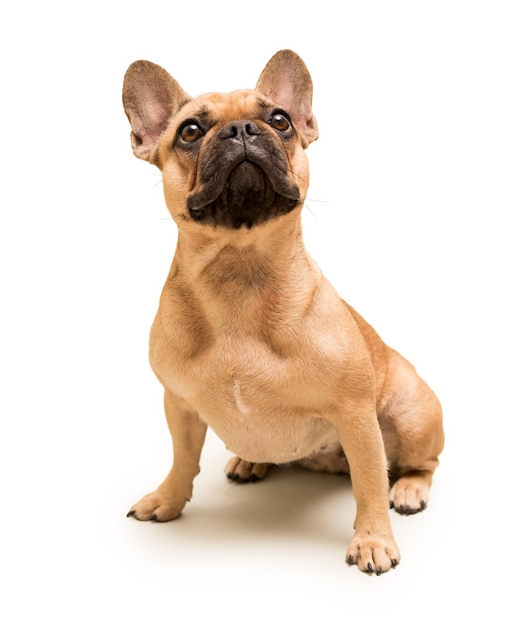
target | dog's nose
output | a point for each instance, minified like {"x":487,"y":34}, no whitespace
{"x":239,"y":129}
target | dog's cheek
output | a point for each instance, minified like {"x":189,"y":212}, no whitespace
{"x":175,"y":183}
{"x":300,"y":169}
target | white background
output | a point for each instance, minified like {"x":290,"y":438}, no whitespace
{"x":411,"y":213}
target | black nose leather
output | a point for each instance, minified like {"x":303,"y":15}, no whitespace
{"x":239,"y":129}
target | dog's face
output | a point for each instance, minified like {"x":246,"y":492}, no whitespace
{"x":228,"y":160}
{"x":233,"y":160}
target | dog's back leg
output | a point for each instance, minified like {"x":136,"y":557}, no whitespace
{"x":411,"y":423}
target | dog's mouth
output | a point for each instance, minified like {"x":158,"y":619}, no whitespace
{"x":246,"y":197}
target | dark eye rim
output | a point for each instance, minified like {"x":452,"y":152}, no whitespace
{"x":186,"y":124}
{"x":283,"y":114}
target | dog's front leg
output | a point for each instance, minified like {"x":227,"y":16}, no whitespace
{"x":188,"y":434}
{"x":373,"y":547}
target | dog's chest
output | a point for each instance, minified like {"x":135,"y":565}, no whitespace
{"x":264,"y":407}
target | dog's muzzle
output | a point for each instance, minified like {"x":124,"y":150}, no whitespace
{"x":243,"y":178}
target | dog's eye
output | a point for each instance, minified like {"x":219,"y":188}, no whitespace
{"x":190,"y":132}
{"x":280,"y":122}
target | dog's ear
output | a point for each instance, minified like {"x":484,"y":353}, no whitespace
{"x":150,"y":96}
{"x":286,"y":81}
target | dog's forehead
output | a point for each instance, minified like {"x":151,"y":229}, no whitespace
{"x":222,"y":107}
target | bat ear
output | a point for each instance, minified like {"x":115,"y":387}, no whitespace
{"x":286,"y":81}
{"x":150,"y":97}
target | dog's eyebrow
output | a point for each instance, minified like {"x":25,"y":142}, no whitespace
{"x":204,"y":114}
{"x":267,"y":106}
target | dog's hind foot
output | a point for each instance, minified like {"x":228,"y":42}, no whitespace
{"x":409,"y":494}
{"x":245,"y":472}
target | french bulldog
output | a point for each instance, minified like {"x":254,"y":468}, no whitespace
{"x":250,"y":339}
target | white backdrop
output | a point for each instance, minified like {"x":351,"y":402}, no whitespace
{"x":410,"y":213}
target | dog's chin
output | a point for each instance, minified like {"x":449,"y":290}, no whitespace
{"x":248,"y":198}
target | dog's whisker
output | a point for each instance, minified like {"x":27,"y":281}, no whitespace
{"x":316,"y":200}
{"x":306,"y":206}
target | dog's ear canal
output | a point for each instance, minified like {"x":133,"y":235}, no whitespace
{"x":287,"y":82}
{"x":150,"y":97}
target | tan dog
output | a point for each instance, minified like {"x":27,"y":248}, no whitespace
{"x":250,"y":339}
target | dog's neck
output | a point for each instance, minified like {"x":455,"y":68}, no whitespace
{"x":237,"y":274}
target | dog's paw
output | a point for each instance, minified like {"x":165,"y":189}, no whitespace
{"x":409,"y":495}
{"x":373,"y":555}
{"x":156,"y":508}
{"x":244,"y":472}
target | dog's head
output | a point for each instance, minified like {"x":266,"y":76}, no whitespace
{"x":232,"y":160}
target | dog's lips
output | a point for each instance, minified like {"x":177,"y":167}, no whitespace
{"x":212,"y":189}
{"x":247,"y":196}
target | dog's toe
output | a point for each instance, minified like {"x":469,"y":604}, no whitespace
{"x":409,"y":495}
{"x":373,"y":555}
{"x":241,"y":471}
{"x":156,"y":508}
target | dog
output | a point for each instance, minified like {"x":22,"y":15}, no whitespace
{"x":250,"y":339}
